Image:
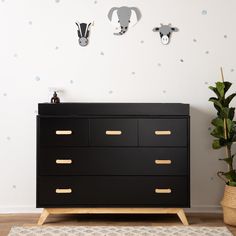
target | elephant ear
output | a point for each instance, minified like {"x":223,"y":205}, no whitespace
{"x":110,"y":13}
{"x":137,"y":13}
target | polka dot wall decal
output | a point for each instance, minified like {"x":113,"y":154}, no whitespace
{"x":15,"y":55}
{"x":206,"y":83}
{"x":4,"y":94}
{"x":159,"y":64}
{"x":102,"y":53}
{"x":232,"y":70}
{"x":95,"y":2}
{"x":212,"y":178}
{"x":37,"y":78}
{"x":225,"y":36}
{"x":181,"y":60}
{"x":141,"y":41}
{"x":204,"y":12}
{"x":8,"y":138}
{"x":71,"y":81}
{"x":194,"y":40}
{"x":56,"y":48}
{"x":209,"y":128}
{"x":164,"y":91}
{"x":13,"y":186}
{"x":133,"y":73}
{"x":30,"y":22}
{"x":57,"y":1}
{"x":206,"y":52}
{"x":110,"y":92}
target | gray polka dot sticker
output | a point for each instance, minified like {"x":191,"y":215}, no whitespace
{"x":110,"y":92}
{"x":204,"y":12}
{"x":57,"y":1}
{"x":4,"y":94}
{"x":225,"y":36}
{"x":206,"y":52}
{"x":30,"y":22}
{"x":95,"y":2}
{"x":194,"y":40}
{"x":15,"y":55}
{"x":159,"y":64}
{"x":133,"y":73}
{"x":209,"y":128}
{"x":212,"y":178}
{"x":56,"y":48}
{"x":37,"y":78}
{"x":142,"y":41}
{"x":14,"y":186}
{"x":164,"y":91}
{"x":71,"y":81}
{"x":102,"y":53}
{"x":206,"y":83}
{"x":232,"y":70}
{"x":181,"y":60}
{"x":8,"y":138}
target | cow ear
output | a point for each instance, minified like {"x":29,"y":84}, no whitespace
{"x":77,"y":23}
{"x":155,"y":29}
{"x":174,"y":29}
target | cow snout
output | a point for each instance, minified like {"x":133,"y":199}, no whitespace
{"x":83,"y":41}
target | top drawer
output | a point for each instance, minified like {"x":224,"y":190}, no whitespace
{"x":163,"y":132}
{"x":113,"y":132}
{"x":63,"y":131}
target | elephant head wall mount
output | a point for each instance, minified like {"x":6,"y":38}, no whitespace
{"x":124,"y":17}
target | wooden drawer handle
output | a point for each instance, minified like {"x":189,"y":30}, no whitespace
{"x":163,"y":162}
{"x":162,"y":190}
{"x":63,"y":190}
{"x":162,"y":132}
{"x":64,"y":162}
{"x":113,"y":132}
{"x":63,"y":132}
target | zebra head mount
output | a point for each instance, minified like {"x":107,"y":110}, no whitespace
{"x":165,"y":32}
{"x":83,"y":33}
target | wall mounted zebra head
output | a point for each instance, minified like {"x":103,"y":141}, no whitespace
{"x":83,"y":33}
{"x":165,"y":32}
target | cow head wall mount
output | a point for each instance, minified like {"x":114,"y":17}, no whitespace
{"x":165,"y":32}
{"x":83,"y":33}
{"x":124,"y":15}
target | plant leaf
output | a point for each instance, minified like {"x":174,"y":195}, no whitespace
{"x":232,"y":183}
{"x":218,"y":122}
{"x":229,"y":99}
{"x":220,"y":86}
{"x":218,"y":132}
{"x":230,"y":175}
{"x":228,"y":160}
{"x":216,"y":144}
{"x":227,"y":86}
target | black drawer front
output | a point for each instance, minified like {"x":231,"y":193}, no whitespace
{"x":64,"y":131}
{"x":113,"y":132}
{"x":163,"y":132}
{"x":113,"y":190}
{"x":113,"y":161}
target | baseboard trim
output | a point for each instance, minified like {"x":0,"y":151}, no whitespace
{"x":32,"y":209}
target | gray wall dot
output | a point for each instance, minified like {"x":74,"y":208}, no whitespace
{"x":15,"y":55}
{"x":13,"y":186}
{"x":30,"y":22}
{"x":232,"y":70}
{"x":110,"y":92}
{"x":207,"y":52}
{"x":194,"y":40}
{"x":181,"y":60}
{"x":164,"y":91}
{"x":71,"y":81}
{"x":206,"y":83}
{"x":141,"y":41}
{"x":8,"y":138}
{"x":37,"y":78}
{"x":159,"y":64}
{"x":4,"y":94}
{"x":209,"y":128}
{"x":133,"y":73}
{"x":57,"y":1}
{"x":95,"y":2}
{"x":204,"y":12}
{"x":102,"y":53}
{"x":225,"y":36}
{"x":56,"y":48}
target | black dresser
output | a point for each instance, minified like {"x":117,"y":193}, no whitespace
{"x":113,"y":155}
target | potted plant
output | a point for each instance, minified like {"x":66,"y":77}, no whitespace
{"x":224,"y":133}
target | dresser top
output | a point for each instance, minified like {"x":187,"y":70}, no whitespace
{"x":77,"y":109}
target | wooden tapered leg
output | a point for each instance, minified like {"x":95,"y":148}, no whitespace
{"x":182,"y":217}
{"x":43,"y":216}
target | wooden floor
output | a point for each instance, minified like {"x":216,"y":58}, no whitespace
{"x":7,"y":221}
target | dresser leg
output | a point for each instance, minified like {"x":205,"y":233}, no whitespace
{"x":43,"y":216}
{"x":182,"y":217}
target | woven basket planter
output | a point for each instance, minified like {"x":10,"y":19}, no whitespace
{"x":229,"y":205}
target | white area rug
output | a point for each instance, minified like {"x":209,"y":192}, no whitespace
{"x":119,"y":231}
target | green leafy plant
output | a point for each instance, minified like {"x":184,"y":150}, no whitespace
{"x":224,"y":127}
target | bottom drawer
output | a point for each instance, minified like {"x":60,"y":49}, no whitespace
{"x":159,"y":191}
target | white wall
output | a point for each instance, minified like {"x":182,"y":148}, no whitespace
{"x":39,"y":49}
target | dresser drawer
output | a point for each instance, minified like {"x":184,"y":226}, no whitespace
{"x":113,"y":161}
{"x":112,"y":190}
{"x":64,"y":131}
{"x":113,"y":132}
{"x":163,"y":132}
